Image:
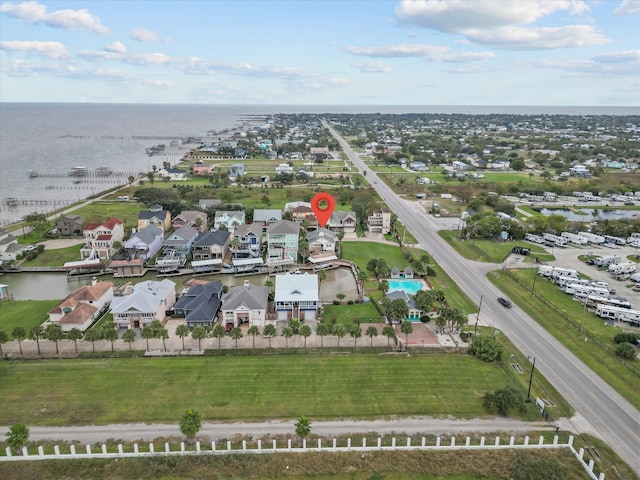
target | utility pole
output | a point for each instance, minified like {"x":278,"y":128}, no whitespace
{"x":584,"y":312}
{"x":475,"y":331}
{"x":533,"y":287}
{"x":533,"y":367}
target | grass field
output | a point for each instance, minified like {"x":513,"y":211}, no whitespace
{"x":613,"y":371}
{"x":362,"y":252}
{"x":62,"y":392}
{"x":54,"y":258}
{"x":349,"y":314}
{"x":24,"y":314}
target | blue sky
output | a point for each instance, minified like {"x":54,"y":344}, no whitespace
{"x":402,"y":52}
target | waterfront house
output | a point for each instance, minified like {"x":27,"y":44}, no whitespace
{"x":173,"y":174}
{"x":143,"y":303}
{"x":69,"y":225}
{"x":249,"y":237}
{"x":228,"y":220}
{"x":145,"y":243}
{"x":181,"y":241}
{"x":200,"y":304}
{"x":321,"y":241}
{"x":9,"y":246}
{"x":100,"y":239}
{"x":192,"y":218}
{"x":83,"y":307}
{"x":266,"y":217}
{"x":282,"y":243}
{"x":297,"y":296}
{"x":379,"y":221}
{"x":212,"y":245}
{"x":154,"y":216}
{"x":303,"y":213}
{"x":342,"y":222}
{"x":245,"y":304}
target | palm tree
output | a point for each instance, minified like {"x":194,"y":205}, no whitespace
{"x":406,"y":327}
{"x":54,"y":333}
{"x":321,"y":331}
{"x":269,"y":331}
{"x":287,"y":333}
{"x":305,"y":331}
{"x":322,"y":275}
{"x":110,"y":334}
{"x":4,"y":338}
{"x":163,"y":333}
{"x":294,"y":325}
{"x":371,"y":332}
{"x":147,"y":333}
{"x":235,"y":246}
{"x":36,"y":333}
{"x":389,"y":332}
{"x":129,"y":336}
{"x":182,"y":331}
{"x":236,"y":334}
{"x":131,"y":179}
{"x":19,"y":334}
{"x":218,"y":332}
{"x":74,"y":334}
{"x":356,"y":332}
{"x":199,"y":332}
{"x":268,"y":283}
{"x":339,"y":330}
{"x":254,"y":331}
{"x":92,"y":335}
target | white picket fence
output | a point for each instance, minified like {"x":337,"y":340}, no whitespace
{"x":259,"y":448}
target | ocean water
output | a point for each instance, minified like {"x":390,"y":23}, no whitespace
{"x":53,"y":138}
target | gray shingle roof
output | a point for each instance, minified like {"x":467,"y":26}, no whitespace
{"x":252,"y":297}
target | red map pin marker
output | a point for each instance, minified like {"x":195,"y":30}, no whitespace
{"x":323,"y":205}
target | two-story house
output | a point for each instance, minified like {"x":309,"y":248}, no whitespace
{"x":297,"y":296}
{"x":99,"y":239}
{"x":9,"y":246}
{"x":82,"y":307}
{"x":200,"y":304}
{"x":211,"y":245}
{"x":69,"y":225}
{"x":143,"y":303}
{"x":379,"y":221}
{"x":266,"y":217}
{"x":245,"y":304}
{"x":154,"y":216}
{"x":282,"y":243}
{"x":228,"y":220}
{"x":249,"y":241}
{"x":342,"y":222}
{"x":192,"y":218}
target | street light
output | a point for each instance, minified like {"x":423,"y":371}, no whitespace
{"x":584,"y":312}
{"x":533,"y":367}
{"x":475,"y":330}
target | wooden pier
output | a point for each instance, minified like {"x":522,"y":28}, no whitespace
{"x":91,"y":174}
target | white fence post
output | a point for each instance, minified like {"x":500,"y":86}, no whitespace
{"x":166,"y":447}
{"x":364,"y":443}
{"x":453,"y":441}
{"x":379,"y":442}
{"x":304,"y":444}
{"x":555,"y":439}
{"x":182,"y":447}
{"x":73,"y":450}
{"x":319,"y":444}
{"x":482,"y":441}
{"x":601,"y":476}
{"x":244,"y":445}
{"x":526,"y":440}
{"x":228,"y":444}
{"x":424,"y":442}
{"x":334,"y":443}
{"x":497,"y":444}
{"x":511,"y":441}
{"x":25,"y":452}
{"x":349,"y":444}
{"x":438,"y":442}
{"x":467,"y":442}
{"x":274,"y":444}
{"x":88,"y":449}
{"x":289,"y":443}
{"x":259,"y":445}
{"x":135,"y":448}
{"x":408,"y":442}
{"x":393,"y":442}
{"x":151,"y":447}
{"x":56,"y":451}
{"x":120,"y":450}
{"x":8,"y":450}
{"x":198,"y":447}
{"x":570,"y":441}
{"x":541,"y":440}
{"x":104,"y":448}
{"x":213,"y":446}
{"x":591,"y":465}
{"x":41,"y":451}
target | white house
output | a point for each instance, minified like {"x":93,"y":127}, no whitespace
{"x":297,"y":296}
{"x":228,"y":219}
{"x":144,"y":302}
{"x":99,"y":239}
{"x":321,"y":240}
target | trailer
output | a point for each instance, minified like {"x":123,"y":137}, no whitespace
{"x":564,"y":280}
{"x":592,"y":237}
{"x":606,"y":260}
{"x":615,"y":240}
{"x":556,"y":272}
{"x":534,"y":238}
{"x":586,"y":290}
{"x":554,"y":240}
{"x":574,"y":238}
{"x":622,"y":268}
{"x":626,"y":315}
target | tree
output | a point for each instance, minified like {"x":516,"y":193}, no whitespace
{"x":389,"y":332}
{"x":19,"y":334}
{"x":406,"y":327}
{"x":268,"y":283}
{"x":147,"y":333}
{"x":322,"y":330}
{"x":235,"y":246}
{"x":92,"y":335}
{"x":340,"y":297}
{"x":626,"y":351}
{"x":356,"y":332}
{"x":487,"y":348}
{"x":398,"y":310}
{"x":269,"y":331}
{"x":503,"y":401}
{"x":218,"y":332}
{"x":339,"y":330}
{"x":322,"y":275}
{"x":36,"y":333}
{"x":152,"y":177}
{"x":424,"y":300}
{"x":287,"y":333}
{"x":17,"y":436}
{"x":236,"y":334}
{"x":254,"y":331}
{"x":110,"y":334}
{"x":383,"y":286}
{"x":129,"y":336}
{"x":37,"y":222}
{"x":4,"y":338}
{"x":305,"y":331}
{"x":199,"y":332}
{"x":190,"y":423}
{"x":303,"y":427}
{"x":162,"y":333}
{"x":182,"y":331}
{"x":294,"y":325}
{"x":131,"y":179}
{"x":371,"y":332}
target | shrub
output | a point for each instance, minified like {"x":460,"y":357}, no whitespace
{"x":626,"y":351}
{"x":487,"y":348}
{"x":430,"y":272}
{"x":627,"y":337}
{"x":336,"y":302}
{"x":503,"y":401}
{"x":425,"y":319}
{"x":350,"y":302}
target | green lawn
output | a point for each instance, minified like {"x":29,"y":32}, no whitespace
{"x":362,"y":252}
{"x":24,"y":314}
{"x":491,"y":251}
{"x":561,"y":316}
{"x":55,"y":257}
{"x":244,"y":388}
{"x":350,"y":314}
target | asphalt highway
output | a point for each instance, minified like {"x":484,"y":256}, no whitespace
{"x":616,"y":420}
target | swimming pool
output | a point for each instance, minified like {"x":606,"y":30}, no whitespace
{"x":409,"y":286}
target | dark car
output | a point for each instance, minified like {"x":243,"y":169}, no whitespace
{"x":505,"y":302}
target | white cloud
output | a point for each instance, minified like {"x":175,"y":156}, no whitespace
{"x":52,"y":50}
{"x":33,"y":12}
{"x":148,"y":59}
{"x":623,"y":63}
{"x":544,"y":38}
{"x":372,"y":67}
{"x":627,"y":56}
{"x":115,"y":47}
{"x":23,"y":68}
{"x":433,"y":53}
{"x":143,"y":35}
{"x":500,"y":23}
{"x":628,"y":7}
